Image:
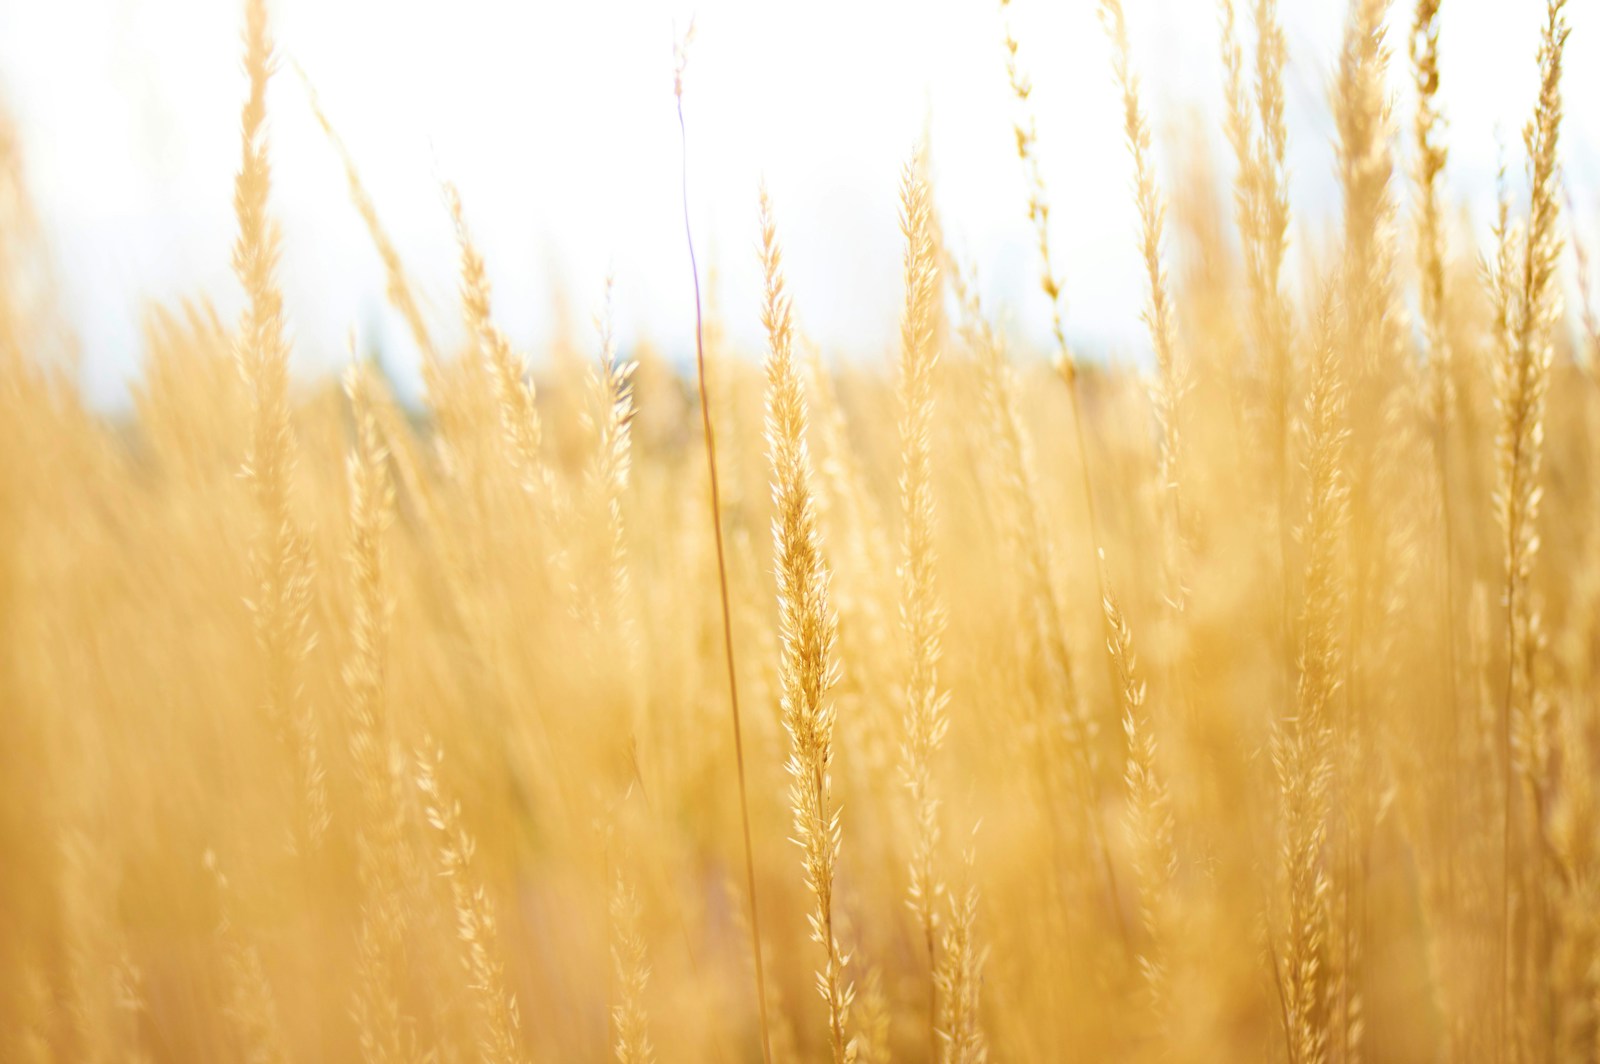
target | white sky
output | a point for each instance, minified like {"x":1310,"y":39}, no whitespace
{"x":556,"y":120}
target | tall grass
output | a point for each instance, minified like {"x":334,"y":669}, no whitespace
{"x":411,"y":743}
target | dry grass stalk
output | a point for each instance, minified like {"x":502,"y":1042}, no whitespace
{"x":1361,"y":109}
{"x":807,"y":670}
{"x":680,"y":61}
{"x":1066,"y":367}
{"x":960,"y":978}
{"x":1303,"y":744}
{"x":1066,"y":364}
{"x":1027,"y":134}
{"x":1431,"y":156}
{"x":610,"y":384}
{"x":1260,"y":144}
{"x":514,"y":390}
{"x":398,"y":287}
{"x":1172,"y":378}
{"x":1043,"y":644}
{"x":383,"y":847}
{"x":1383,"y":448}
{"x":1150,"y":823}
{"x":922,"y":614}
{"x":1261,"y":210}
{"x":630,"y":960}
{"x":499,"y":1018}
{"x":281,"y":557}
{"x":1527,"y":308}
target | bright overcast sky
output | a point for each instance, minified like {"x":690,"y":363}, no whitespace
{"x":556,"y":121}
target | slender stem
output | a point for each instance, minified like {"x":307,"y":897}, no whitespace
{"x":722,"y":584}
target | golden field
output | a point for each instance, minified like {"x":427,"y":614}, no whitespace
{"x":981,"y":704}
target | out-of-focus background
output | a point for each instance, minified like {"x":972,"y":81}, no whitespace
{"x":556,"y":120}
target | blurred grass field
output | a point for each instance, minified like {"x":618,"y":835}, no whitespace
{"x":1241,"y":706}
